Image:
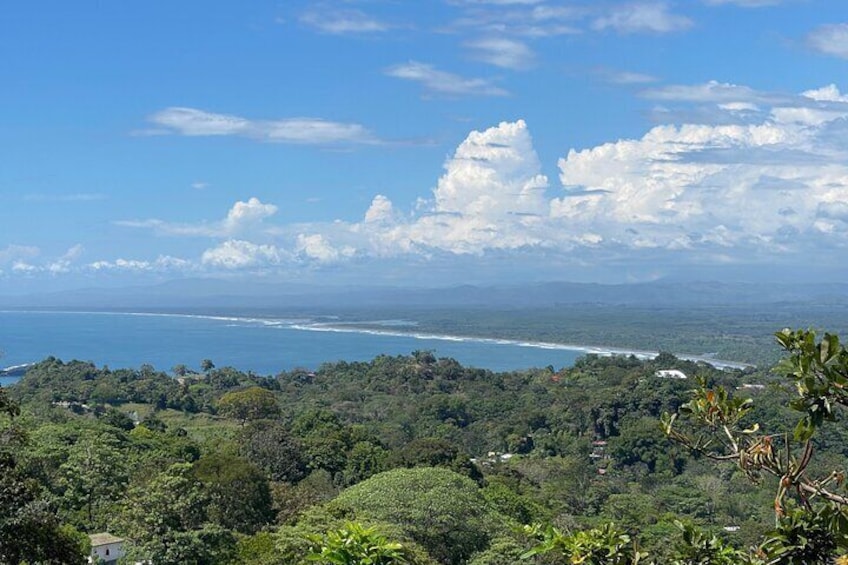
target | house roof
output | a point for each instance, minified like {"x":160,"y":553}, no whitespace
{"x":104,"y":538}
{"x":670,"y":374}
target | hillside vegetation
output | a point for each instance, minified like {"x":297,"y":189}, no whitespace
{"x":407,"y":459}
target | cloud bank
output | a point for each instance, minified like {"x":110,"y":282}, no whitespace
{"x":768,"y":181}
{"x":753,"y":178}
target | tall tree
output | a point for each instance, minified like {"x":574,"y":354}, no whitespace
{"x":254,"y":403}
{"x":167,"y":520}
{"x":239,"y":494}
{"x":93,"y":480}
{"x":441,"y":510}
{"x":30,"y":531}
{"x":273,"y":449}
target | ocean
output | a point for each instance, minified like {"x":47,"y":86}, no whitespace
{"x":264,"y":346}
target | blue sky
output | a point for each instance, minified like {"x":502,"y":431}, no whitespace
{"x":433,"y":142}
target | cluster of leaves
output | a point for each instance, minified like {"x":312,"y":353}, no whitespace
{"x":354,"y":544}
{"x":811,"y":514}
{"x":605,"y":545}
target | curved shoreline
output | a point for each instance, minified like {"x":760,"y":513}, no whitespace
{"x":588,"y":349}
{"x":305,"y":324}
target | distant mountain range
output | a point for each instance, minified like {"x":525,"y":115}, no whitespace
{"x":215,"y":293}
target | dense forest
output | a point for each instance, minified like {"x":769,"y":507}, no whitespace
{"x":417,"y":459}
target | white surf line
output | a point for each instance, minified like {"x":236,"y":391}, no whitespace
{"x":305,"y":325}
{"x":240,"y":319}
{"x":597,"y":350}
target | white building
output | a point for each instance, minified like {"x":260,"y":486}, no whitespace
{"x":670,"y":374}
{"x":105,"y":548}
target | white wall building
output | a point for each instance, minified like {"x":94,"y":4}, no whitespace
{"x":105,"y":548}
{"x":670,"y":374}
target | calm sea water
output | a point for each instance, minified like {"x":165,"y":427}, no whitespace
{"x":263,"y":346}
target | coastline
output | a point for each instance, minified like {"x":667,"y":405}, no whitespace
{"x":587,"y":349}
{"x":307,"y":324}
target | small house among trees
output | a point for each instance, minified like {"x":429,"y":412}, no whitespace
{"x":670,"y":374}
{"x":105,"y":548}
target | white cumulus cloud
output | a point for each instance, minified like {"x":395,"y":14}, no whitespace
{"x":246,"y":214}
{"x":380,"y":211}
{"x":735,"y":186}
{"x":490,"y":197}
{"x":240,"y":254}
{"x":242,"y":217}
{"x":316,"y":247}
{"x":493,"y":173}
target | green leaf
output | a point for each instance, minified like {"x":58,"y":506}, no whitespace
{"x":804,"y":429}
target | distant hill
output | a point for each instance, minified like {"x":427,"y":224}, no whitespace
{"x":216,"y":293}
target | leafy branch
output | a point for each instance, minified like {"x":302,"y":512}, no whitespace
{"x":819,"y":371}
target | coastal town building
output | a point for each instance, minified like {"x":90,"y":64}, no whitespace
{"x":670,"y":374}
{"x":105,"y":548}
